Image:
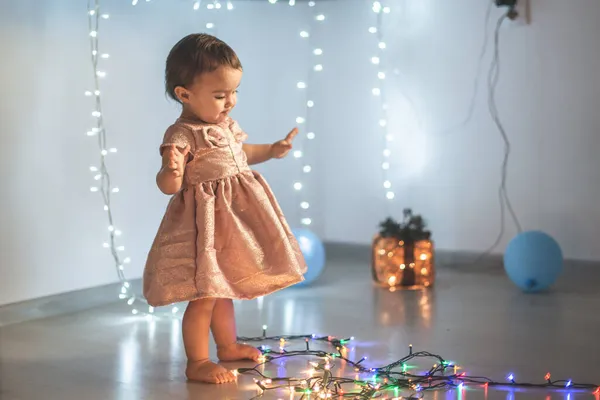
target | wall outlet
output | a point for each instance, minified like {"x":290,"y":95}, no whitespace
{"x":519,"y":11}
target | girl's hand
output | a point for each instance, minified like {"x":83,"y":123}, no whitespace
{"x":174,"y":160}
{"x":281,"y":148}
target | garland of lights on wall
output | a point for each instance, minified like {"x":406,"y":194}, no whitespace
{"x":101,"y":173}
{"x":316,"y":52}
{"x":397,"y":380}
{"x":378,"y":91}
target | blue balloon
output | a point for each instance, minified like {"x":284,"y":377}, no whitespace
{"x":533,"y":260}
{"x":314,"y":254}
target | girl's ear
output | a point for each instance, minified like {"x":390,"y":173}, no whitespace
{"x":182,"y":94}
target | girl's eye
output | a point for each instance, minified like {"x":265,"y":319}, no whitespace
{"x":219,"y":97}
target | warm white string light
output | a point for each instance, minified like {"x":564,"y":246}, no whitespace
{"x":101,"y":174}
{"x":303,"y":120}
{"x":380,"y":9}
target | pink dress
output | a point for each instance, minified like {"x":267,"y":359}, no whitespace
{"x":223,"y":234}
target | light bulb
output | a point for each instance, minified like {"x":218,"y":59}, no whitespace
{"x":174,"y":310}
{"x":372,"y":30}
{"x":88,"y":93}
{"x":320,"y":17}
{"x":387,"y":152}
{"x":229,"y":5}
{"x":307,"y":169}
{"x":196,"y":5}
{"x":297,"y":185}
{"x":292,"y":2}
{"x":318,"y":67}
{"x":121,"y":268}
{"x":310,"y":104}
{"x":304,"y":34}
{"x":382,"y":122}
{"x":382,"y":45}
{"x":105,"y":245}
{"x":121,"y":248}
{"x":92,"y":12}
{"x":305,"y":205}
{"x":386,"y":10}
{"x":387,"y":184}
{"x":106,"y":208}
{"x":210,"y":25}
{"x":105,"y":16}
{"x":310,"y":135}
{"x":94,"y":52}
{"x":297,"y":154}
{"x":306,"y":221}
{"x":385,"y":165}
{"x":150,"y":309}
{"x":311,"y":3}
{"x":390,"y":195}
{"x":93,"y":189}
{"x":105,"y":56}
{"x":97,"y":177}
{"x":134,"y":2}
{"x":301,"y":85}
{"x":381,"y":75}
{"x":300,"y":120}
{"x":272,"y":1}
{"x":130,"y":301}
{"x":97,"y":93}
{"x":111,"y":228}
{"x":210,"y":6}
{"x":376,"y":91}
{"x":93,"y":169}
{"x":115,"y":190}
{"x":96,"y":114}
{"x":101,"y":74}
{"x":389,"y":137}
{"x":376,"y":7}
{"x":317,"y":52}
{"x":375,"y":60}
{"x":127,"y":260}
{"x":218,"y":6}
{"x":113,"y":150}
{"x":91,"y":133}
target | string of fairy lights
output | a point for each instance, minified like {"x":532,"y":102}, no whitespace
{"x":305,"y":119}
{"x":101,"y":173}
{"x":380,"y":9}
{"x":397,"y":380}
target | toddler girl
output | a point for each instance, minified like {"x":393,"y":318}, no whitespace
{"x":223,"y":235}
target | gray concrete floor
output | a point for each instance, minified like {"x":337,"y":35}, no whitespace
{"x":473,"y":316}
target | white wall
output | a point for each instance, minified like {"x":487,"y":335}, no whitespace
{"x":548,"y":99}
{"x":52,"y":226}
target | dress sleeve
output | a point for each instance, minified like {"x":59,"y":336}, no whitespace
{"x":179,"y":136}
{"x":239,"y":135}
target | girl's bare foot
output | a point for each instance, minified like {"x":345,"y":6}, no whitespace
{"x":208,"y":372}
{"x":236,"y":352}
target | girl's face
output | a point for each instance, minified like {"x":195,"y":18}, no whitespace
{"x":212,"y":95}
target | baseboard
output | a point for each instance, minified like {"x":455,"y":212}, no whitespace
{"x":63,"y":303}
{"x":81,"y":300}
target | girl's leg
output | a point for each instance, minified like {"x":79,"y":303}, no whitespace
{"x":224,"y":332}
{"x":196,"y":323}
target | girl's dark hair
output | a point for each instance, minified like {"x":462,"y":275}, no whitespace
{"x":193,"y":55}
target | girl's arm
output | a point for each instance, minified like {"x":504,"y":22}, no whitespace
{"x":170,"y":177}
{"x":259,"y":153}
